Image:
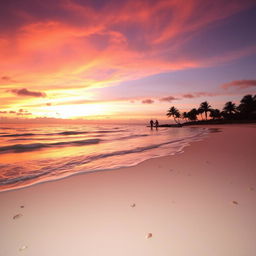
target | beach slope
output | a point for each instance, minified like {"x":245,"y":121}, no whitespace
{"x":200,"y":202}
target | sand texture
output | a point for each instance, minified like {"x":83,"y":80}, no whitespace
{"x":198,"y":203}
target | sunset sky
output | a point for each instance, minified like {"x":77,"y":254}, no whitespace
{"x":123,"y":60}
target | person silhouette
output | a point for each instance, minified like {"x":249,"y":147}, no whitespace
{"x":151,"y":124}
{"x":156,"y":124}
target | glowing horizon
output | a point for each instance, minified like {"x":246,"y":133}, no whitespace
{"x":103,"y":60}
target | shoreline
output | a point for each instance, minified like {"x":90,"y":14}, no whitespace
{"x":196,"y":138}
{"x":203,"y":198}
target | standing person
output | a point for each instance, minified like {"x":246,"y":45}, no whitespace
{"x":151,"y":124}
{"x":156,"y":124}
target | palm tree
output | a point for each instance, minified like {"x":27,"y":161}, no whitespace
{"x":205,"y":108}
{"x":230,"y":108}
{"x":174,"y":112}
{"x":215,"y":113}
{"x":185,"y":116}
{"x":200,"y":111}
{"x":192,"y":114}
{"x":248,"y":106}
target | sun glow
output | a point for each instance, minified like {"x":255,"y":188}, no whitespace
{"x":86,"y":110}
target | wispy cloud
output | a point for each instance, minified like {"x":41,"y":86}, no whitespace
{"x":5,"y":78}
{"x":23,"y":112}
{"x":240,"y":84}
{"x":199,"y":94}
{"x":168,"y":99}
{"x":147,"y":101}
{"x":79,"y":42}
{"x":26,"y":92}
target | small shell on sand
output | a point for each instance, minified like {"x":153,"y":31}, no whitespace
{"x":133,"y":205}
{"x":235,"y":202}
{"x":22,"y":206}
{"x":17,"y":216}
{"x":149,"y":235}
{"x":22,"y":248}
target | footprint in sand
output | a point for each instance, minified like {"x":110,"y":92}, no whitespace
{"x":22,"y":248}
{"x":17,"y":216}
{"x":149,"y":235}
{"x":133,"y":205}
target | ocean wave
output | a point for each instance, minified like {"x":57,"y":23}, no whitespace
{"x":66,"y":164}
{"x":19,"y":135}
{"x":14,"y":180}
{"x":19,"y":148}
{"x":117,"y":150}
{"x":132,"y":136}
{"x":58,"y":133}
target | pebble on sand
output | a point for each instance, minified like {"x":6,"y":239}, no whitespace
{"x":17,"y":216}
{"x":235,"y":202}
{"x":133,"y":205}
{"x":22,"y":206}
{"x":149,"y":235}
{"x":22,"y":248}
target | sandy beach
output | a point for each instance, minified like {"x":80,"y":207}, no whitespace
{"x":201,"y":202}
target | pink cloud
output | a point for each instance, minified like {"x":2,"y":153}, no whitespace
{"x":147,"y":101}
{"x":188,"y":96}
{"x":89,"y":48}
{"x":168,"y":99}
{"x":241,"y":84}
{"x":71,"y":51}
{"x":199,"y":94}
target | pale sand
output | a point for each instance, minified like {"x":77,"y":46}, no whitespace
{"x":198,"y":203}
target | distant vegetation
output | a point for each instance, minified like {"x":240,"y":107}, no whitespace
{"x":244,"y":112}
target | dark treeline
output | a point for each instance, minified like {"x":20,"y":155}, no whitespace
{"x":244,"y":112}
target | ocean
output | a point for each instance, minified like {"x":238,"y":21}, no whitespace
{"x":31,"y":154}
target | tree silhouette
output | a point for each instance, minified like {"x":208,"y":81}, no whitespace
{"x":229,"y":109}
{"x":247,"y":106}
{"x":174,"y":112}
{"x":200,"y":111}
{"x":215,"y":113}
{"x":245,"y":111}
{"x":205,"y":107}
{"x":192,"y":114}
{"x":185,"y":116}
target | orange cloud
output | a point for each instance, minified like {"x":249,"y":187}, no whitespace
{"x":26,"y":92}
{"x":241,"y":84}
{"x":76,"y":46}
{"x":130,"y":43}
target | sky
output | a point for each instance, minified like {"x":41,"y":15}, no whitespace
{"x":127,"y":60}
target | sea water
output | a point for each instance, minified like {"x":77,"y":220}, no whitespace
{"x":32,"y":154}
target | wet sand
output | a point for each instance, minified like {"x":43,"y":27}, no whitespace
{"x":200,"y":202}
